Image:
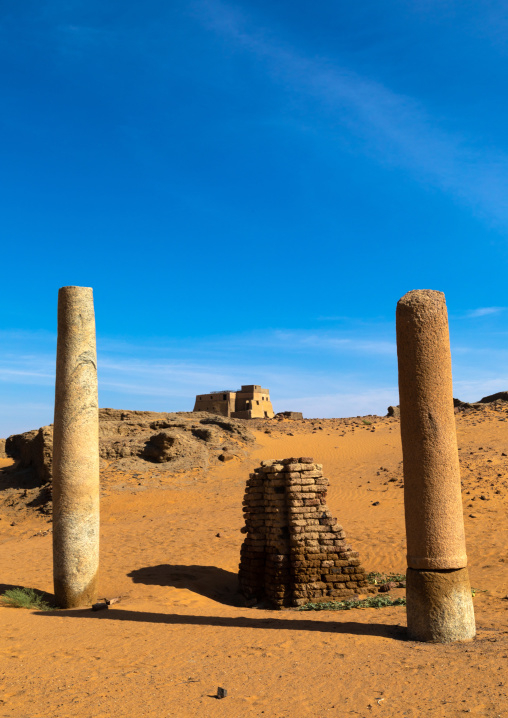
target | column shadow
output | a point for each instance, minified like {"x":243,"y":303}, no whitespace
{"x":209,"y":581}
{"x":393,"y":631}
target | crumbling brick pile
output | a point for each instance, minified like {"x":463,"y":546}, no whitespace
{"x":294,"y":551}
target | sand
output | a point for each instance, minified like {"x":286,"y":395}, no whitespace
{"x":181,"y":630}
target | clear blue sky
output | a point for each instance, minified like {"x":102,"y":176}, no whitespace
{"x":250,"y":187}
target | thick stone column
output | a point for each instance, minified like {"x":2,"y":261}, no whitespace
{"x":439,"y":602}
{"x":76,"y":452}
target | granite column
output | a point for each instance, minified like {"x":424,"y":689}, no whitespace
{"x":76,"y":452}
{"x":439,"y":602}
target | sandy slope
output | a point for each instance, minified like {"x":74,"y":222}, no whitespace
{"x":181,"y":631}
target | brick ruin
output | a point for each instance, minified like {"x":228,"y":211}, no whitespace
{"x":294,"y":552}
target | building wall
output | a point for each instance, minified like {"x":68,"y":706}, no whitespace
{"x":252,"y":402}
{"x":223,"y":404}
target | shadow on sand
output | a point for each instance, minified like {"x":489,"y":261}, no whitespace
{"x":209,"y":581}
{"x":395,"y":632}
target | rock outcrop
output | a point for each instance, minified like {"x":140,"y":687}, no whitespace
{"x":132,"y":440}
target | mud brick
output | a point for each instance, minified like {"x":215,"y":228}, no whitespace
{"x":293,"y":541}
{"x":300,"y":601}
{"x":273,"y":469}
{"x":327,"y":521}
{"x":297,"y":552}
{"x":306,"y":578}
{"x":328,"y":579}
{"x":306,"y":460}
{"x":307,"y":481}
{"x":297,"y":530}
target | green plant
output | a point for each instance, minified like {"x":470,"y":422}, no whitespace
{"x":376,"y":578}
{"x":366,"y":422}
{"x":25,"y":598}
{"x":474,"y":591}
{"x":371,"y":602}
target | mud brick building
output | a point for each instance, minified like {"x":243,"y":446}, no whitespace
{"x":295,"y":551}
{"x":251,"y":402}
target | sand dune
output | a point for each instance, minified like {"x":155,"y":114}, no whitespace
{"x":171,"y":549}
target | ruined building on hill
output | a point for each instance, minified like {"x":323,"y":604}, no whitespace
{"x":251,"y":402}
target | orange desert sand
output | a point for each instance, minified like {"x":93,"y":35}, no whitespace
{"x":171,"y":550}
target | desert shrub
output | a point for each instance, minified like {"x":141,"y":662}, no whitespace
{"x":377,"y":578}
{"x":371,"y":602}
{"x":25,"y":598}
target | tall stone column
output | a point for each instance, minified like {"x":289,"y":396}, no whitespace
{"x":439,"y":602}
{"x":76,"y":452}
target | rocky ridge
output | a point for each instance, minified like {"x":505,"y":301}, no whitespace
{"x":129,"y":441}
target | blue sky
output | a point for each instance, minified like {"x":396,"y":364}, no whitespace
{"x":250,"y":187}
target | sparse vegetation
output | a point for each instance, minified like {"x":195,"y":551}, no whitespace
{"x":378,"y":578}
{"x":371,"y":602}
{"x":25,"y":598}
{"x":366,"y":422}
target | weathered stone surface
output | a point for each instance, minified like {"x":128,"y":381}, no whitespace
{"x":439,"y":606}
{"x":432,"y":497}
{"x":129,"y":440}
{"x":439,"y":603}
{"x":76,"y":452}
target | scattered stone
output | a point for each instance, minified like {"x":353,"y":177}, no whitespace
{"x":221,"y":693}
{"x":100,"y":606}
{"x":111,"y":601}
{"x":385,"y":587}
{"x":376,"y":503}
{"x":226,"y":457}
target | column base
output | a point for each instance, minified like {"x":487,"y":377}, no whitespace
{"x":439,"y":605}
